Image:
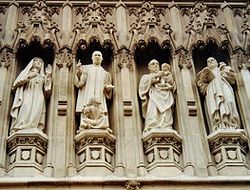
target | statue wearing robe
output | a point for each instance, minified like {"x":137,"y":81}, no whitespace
{"x":28,"y":109}
{"x":156,"y":93}
{"x":215,"y":83}
{"x":93,"y":81}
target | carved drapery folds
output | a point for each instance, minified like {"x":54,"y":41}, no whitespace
{"x":103,"y":139}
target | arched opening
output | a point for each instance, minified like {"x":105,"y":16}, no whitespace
{"x":201,"y":52}
{"x":84,"y":55}
{"x":25,"y":53}
{"x":144,"y":53}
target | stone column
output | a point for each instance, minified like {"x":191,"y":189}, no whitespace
{"x":61,"y":127}
{"x":176,"y":24}
{"x":130,"y":153}
{"x":196,"y":156}
{"x":11,"y":22}
{"x":230,"y":23}
{"x":7,"y":68}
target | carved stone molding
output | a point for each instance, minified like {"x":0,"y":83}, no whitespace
{"x":64,"y":58}
{"x":95,"y":147}
{"x":40,"y":26}
{"x":148,"y":26}
{"x":6,"y":57}
{"x":133,"y":185}
{"x":162,"y":149}
{"x":229,"y":149}
{"x":94,"y":23}
{"x":124,"y":58}
{"x":26,"y":152}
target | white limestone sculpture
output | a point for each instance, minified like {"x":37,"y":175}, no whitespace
{"x":215,"y":81}
{"x":156,"y":92}
{"x":93,"y":116}
{"x":31,"y":86}
{"x":93,"y":82}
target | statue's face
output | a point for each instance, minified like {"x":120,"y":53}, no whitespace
{"x":97,"y":58}
{"x":212,"y":63}
{"x":37,"y":63}
{"x":165,"y":67}
{"x":154,"y":66}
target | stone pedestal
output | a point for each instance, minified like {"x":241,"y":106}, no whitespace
{"x":162,"y":148}
{"x":229,"y":149}
{"x":26,"y":151}
{"x":95,"y":150}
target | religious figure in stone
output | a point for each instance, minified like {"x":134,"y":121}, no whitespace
{"x":156,"y":93}
{"x":31,"y":86}
{"x":95,"y":87}
{"x":215,"y":81}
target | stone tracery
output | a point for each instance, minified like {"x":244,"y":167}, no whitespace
{"x":167,"y":153}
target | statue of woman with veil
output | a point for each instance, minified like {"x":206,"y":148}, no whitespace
{"x":31,"y":86}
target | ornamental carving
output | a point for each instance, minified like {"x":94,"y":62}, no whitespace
{"x":133,"y":185}
{"x":162,"y":140}
{"x":27,"y":141}
{"x":202,"y":26}
{"x":148,"y":25}
{"x":228,"y":141}
{"x":40,"y":26}
{"x":94,"y":141}
{"x":94,"y":23}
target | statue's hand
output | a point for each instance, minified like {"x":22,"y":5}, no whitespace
{"x":109,"y":87}
{"x":48,"y":71}
{"x":31,"y":75}
{"x":159,"y":74}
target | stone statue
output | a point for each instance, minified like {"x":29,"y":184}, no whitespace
{"x":95,"y":86}
{"x":156,"y":92}
{"x":215,"y":81}
{"x":28,"y":109}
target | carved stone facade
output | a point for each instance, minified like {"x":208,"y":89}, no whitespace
{"x":103,"y":111}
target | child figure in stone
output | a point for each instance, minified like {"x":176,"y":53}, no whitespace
{"x":93,"y":116}
{"x":166,"y":80}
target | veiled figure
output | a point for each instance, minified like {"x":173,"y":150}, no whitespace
{"x":93,"y":81}
{"x":215,"y":82}
{"x":156,"y":93}
{"x":28,"y":109}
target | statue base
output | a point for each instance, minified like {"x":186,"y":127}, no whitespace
{"x":95,"y":148}
{"x":162,"y":148}
{"x":26,"y":151}
{"x":229,"y":150}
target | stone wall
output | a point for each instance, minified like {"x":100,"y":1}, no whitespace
{"x":61,"y":151}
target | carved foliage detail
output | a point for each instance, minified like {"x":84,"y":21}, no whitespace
{"x":64,"y":58}
{"x":124,"y":59}
{"x":95,"y":140}
{"x":27,"y":141}
{"x":5,"y":58}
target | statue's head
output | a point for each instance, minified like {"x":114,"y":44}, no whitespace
{"x":37,"y":62}
{"x":165,"y":67}
{"x":153,"y":66}
{"x":97,"y":58}
{"x":212,"y":63}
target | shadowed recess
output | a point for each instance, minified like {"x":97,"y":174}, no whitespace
{"x":28,"y":51}
{"x":84,"y":52}
{"x":202,"y":52}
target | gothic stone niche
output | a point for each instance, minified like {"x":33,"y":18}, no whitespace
{"x":229,"y":149}
{"x":95,"y":152}
{"x":26,"y":152}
